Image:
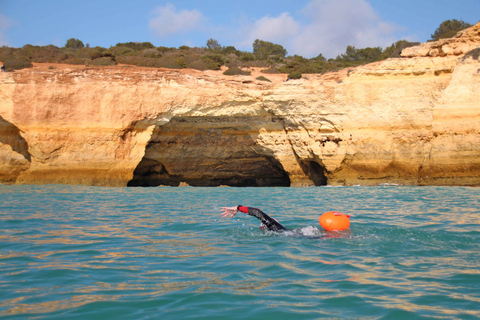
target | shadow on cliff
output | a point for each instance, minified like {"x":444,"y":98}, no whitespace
{"x":10,"y":135}
{"x":210,"y":151}
{"x":12,"y":162}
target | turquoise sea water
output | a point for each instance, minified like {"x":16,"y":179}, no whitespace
{"x":72,"y":252}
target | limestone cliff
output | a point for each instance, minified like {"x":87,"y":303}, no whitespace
{"x":413,"y":120}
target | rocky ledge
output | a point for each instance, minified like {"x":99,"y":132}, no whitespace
{"x":414,"y":120}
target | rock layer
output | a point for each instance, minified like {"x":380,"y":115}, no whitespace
{"x":412,"y":120}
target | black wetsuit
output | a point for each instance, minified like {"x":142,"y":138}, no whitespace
{"x":270,"y":223}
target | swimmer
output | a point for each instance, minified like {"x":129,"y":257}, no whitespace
{"x":272,"y":224}
{"x":267,"y":221}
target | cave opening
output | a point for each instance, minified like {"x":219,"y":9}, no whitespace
{"x":210,"y":151}
{"x":314,"y":171}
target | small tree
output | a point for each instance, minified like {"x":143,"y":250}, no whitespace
{"x":320,"y":57}
{"x":213,"y":45}
{"x":263,"y":49}
{"x":74,"y":43}
{"x":449,"y":28}
{"x":360,"y":56}
{"x":396,"y":48}
{"x":230,"y":50}
{"x":351,"y":54}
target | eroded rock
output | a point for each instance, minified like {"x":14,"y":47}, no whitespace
{"x":408,"y":120}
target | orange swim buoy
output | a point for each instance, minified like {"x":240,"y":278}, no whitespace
{"x":334,"y":221}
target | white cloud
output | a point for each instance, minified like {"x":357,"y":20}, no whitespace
{"x":270,"y":29}
{"x":322,"y":26}
{"x":334,"y":24}
{"x":167,"y":21}
{"x":328,"y":27}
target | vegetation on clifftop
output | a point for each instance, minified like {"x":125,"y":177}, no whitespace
{"x":273,"y":57}
{"x":449,"y":28}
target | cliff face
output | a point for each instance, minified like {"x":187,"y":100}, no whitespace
{"x":412,"y":120}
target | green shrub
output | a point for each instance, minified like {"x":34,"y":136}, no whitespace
{"x":247,"y":57}
{"x":215,"y":57}
{"x":140,"y":61}
{"x":181,"y":62}
{"x":294,"y":75}
{"x":163,"y":49}
{"x":262,"y":78}
{"x":136,"y":46}
{"x":236,"y":71}
{"x":271,"y":70}
{"x":199,"y":65}
{"x":76,"y":60}
{"x":290,"y":66}
{"x":103,"y":61}
{"x":170,"y":64}
{"x":48,"y":53}
{"x":151,"y":53}
{"x":84,"y":52}
{"x":7,"y":53}
{"x":120,"y":50}
{"x":212,"y":65}
{"x":100,"y":54}
{"x":213,"y":61}
{"x":16,"y":64}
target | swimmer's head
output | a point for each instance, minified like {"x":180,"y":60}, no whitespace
{"x":262,"y":226}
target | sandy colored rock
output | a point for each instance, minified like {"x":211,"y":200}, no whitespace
{"x":412,"y":120}
{"x":463,"y":42}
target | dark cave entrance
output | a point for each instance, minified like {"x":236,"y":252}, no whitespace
{"x":315,"y":171}
{"x":210,"y":151}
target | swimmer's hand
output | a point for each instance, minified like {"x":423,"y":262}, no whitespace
{"x":229,"y":212}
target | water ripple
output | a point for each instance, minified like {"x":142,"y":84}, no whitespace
{"x":117,"y":253}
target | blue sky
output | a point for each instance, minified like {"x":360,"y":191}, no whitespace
{"x":304,"y":27}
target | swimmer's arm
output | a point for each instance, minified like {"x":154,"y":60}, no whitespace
{"x":254,"y":212}
{"x":271,"y":223}
{"x":232,"y":211}
{"x":229,"y":211}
